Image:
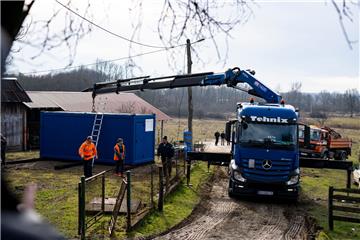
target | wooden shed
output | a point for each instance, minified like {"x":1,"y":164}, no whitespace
{"x":13,"y":114}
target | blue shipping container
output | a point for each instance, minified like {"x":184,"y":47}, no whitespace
{"x":62,"y":133}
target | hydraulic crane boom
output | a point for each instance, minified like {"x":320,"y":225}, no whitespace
{"x":230,"y":78}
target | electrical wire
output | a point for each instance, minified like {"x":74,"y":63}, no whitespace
{"x":106,"y":61}
{"x":90,"y":64}
{"x":110,"y":32}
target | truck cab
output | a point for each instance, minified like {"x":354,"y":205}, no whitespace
{"x":318,"y":143}
{"x":265,"y":151}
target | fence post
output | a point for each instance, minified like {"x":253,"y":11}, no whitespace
{"x":103,"y":193}
{"x":128,"y":198}
{"x":161,"y":189}
{"x":167,"y":176}
{"x":152,"y":186}
{"x":176,"y":167}
{"x":79,"y":208}
{"x":330,"y":208}
{"x":82,"y":227}
{"x":348,"y":180}
{"x":188,"y":172}
{"x":184,"y":163}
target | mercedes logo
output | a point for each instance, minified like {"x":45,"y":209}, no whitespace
{"x":266,"y":164}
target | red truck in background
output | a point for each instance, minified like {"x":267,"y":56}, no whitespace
{"x":325,"y":143}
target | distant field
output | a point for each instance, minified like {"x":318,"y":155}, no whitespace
{"x":337,"y":122}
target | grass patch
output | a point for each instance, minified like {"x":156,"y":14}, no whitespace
{"x":315,"y":185}
{"x":177,"y":206}
{"x":337,"y":122}
{"x":11,"y":156}
{"x":56,"y":197}
{"x":344,"y":122}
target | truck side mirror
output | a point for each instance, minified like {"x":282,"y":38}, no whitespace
{"x":306,"y":136}
{"x":228,"y":131}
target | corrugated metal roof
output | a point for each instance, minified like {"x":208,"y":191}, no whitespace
{"x":82,"y":102}
{"x":40,"y":100}
{"x":11,"y":91}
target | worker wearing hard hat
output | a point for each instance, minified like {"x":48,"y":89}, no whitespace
{"x":87,"y":152}
{"x":119,"y":157}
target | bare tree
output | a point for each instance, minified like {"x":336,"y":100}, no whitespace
{"x":18,"y":23}
{"x":128,"y":107}
{"x":351,"y":100}
{"x":345,"y":13}
{"x":108,"y":70}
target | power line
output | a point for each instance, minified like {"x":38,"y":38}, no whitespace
{"x":110,"y":32}
{"x":106,"y":61}
{"x":90,"y":64}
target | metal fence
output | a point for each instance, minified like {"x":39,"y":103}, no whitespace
{"x":91,"y":197}
{"x":144,"y":189}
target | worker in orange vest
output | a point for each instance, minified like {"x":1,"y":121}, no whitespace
{"x":119,"y":157}
{"x":87,"y":152}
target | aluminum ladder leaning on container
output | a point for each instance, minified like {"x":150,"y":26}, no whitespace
{"x":96,"y":130}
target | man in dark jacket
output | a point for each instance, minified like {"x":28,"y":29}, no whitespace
{"x":217,"y":135}
{"x":222,"y":135}
{"x":166,"y":151}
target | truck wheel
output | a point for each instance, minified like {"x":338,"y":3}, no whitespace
{"x":325,"y":155}
{"x":230,"y":189}
{"x":343,"y":156}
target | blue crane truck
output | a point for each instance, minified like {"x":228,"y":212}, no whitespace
{"x":264,"y":136}
{"x":265,"y":154}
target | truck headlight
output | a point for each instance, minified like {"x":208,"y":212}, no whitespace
{"x":293,"y":180}
{"x":239,"y":177}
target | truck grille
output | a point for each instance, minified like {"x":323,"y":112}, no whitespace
{"x":279,"y":171}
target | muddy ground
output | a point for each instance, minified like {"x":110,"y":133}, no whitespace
{"x":221,"y":217}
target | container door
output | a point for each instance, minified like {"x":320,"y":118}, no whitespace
{"x":144,"y":142}
{"x":139,"y":143}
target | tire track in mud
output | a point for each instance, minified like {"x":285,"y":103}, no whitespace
{"x":219,"y":207}
{"x":273,"y":226}
{"x":296,"y":229}
{"x":226,"y":218}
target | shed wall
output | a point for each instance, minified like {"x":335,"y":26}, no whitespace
{"x":13,"y":125}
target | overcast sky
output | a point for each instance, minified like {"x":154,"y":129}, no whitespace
{"x":285,"y":42}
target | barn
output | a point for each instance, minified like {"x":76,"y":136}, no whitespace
{"x":14,"y":114}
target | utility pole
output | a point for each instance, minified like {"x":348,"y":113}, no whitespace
{"x":190,"y":104}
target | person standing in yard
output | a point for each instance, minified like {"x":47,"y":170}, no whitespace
{"x":217,"y":135}
{"x":87,"y":152}
{"x":119,"y":157}
{"x":222,"y":135}
{"x":166,"y":151}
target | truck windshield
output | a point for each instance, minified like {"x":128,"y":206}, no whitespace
{"x":314,"y":135}
{"x":269,"y":135}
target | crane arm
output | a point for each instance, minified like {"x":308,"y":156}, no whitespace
{"x":230,"y":78}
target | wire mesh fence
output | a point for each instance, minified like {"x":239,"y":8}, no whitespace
{"x":91,"y":197}
{"x":143,"y":193}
